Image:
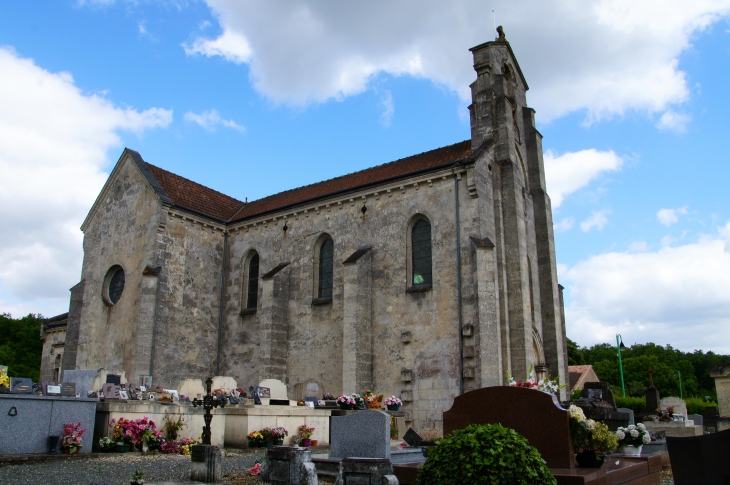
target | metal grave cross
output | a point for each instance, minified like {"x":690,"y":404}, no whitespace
{"x":208,"y":403}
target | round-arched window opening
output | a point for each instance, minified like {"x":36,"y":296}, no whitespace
{"x":113,"y":285}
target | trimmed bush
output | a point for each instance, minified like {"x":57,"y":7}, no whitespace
{"x":636,"y":404}
{"x":696,"y":405}
{"x":486,"y":454}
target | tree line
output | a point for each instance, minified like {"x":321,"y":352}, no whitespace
{"x":665,"y":361}
{"x":20,"y":345}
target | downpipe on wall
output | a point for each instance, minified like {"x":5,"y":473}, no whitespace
{"x":220,"y":304}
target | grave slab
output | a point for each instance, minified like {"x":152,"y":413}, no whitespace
{"x":82,"y":378}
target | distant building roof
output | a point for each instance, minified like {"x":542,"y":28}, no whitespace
{"x":578,"y":375}
{"x":189,"y":195}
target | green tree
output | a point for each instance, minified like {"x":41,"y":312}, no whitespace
{"x":20,"y":345}
{"x":575,"y":355}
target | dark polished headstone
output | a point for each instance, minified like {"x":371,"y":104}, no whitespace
{"x":700,"y":459}
{"x":21,"y":385}
{"x":412,"y":438}
{"x":535,"y":415}
{"x":652,"y":400}
{"x":68,"y":389}
{"x":600,"y":390}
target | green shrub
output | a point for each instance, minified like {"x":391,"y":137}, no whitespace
{"x":695,"y":405}
{"x":636,"y":404}
{"x":487,"y":454}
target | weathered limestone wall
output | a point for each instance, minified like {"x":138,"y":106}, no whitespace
{"x":54,"y":340}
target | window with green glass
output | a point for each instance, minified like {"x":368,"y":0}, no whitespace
{"x":421,"y":253}
{"x":326,"y":265}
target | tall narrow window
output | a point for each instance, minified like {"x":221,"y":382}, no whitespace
{"x":326,"y":258}
{"x":421,"y":253}
{"x":253,"y":282}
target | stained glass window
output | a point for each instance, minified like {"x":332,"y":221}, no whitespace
{"x":421,"y":252}
{"x":116,"y":286}
{"x":253,"y":282}
{"x":326,"y":258}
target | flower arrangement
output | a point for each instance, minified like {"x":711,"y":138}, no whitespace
{"x":182,"y":447}
{"x":305,"y":432}
{"x":4,"y":379}
{"x":134,"y":431}
{"x":328,"y":396}
{"x":255,"y":438}
{"x":187,"y":445}
{"x":106,"y":443}
{"x":219,"y":392}
{"x":72,"y":434}
{"x":241,"y":392}
{"x":137,"y":477}
{"x":589,"y":435}
{"x":551,"y":386}
{"x":359,"y":400}
{"x":172,"y":425}
{"x":255,"y":470}
{"x":666,"y":414}
{"x":345,"y":399}
{"x":633,"y":435}
{"x":393,"y":401}
{"x":368,"y":395}
{"x":279,"y":433}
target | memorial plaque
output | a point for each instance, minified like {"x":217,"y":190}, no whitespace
{"x":198,"y":454}
{"x":264,"y":392}
{"x":44,"y":386}
{"x":110,"y":391}
{"x":595,"y":394}
{"x":68,"y":389}
{"x":53,"y":390}
{"x":114,"y":379}
{"x":123,"y":395}
{"x":21,"y":385}
{"x":145,"y":382}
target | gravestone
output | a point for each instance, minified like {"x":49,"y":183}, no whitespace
{"x":535,"y":415}
{"x":224,"y":382}
{"x":277,"y":391}
{"x":628,"y":411}
{"x":696,"y":419}
{"x":82,"y":378}
{"x":21,"y":385}
{"x":68,"y":389}
{"x":264,"y":394}
{"x":700,"y":459}
{"x":111,"y":391}
{"x":599,"y":390}
{"x":366,"y":471}
{"x":365,"y":434}
{"x":285,"y":465}
{"x":412,"y":438}
{"x":207,"y":463}
{"x":680,"y":407}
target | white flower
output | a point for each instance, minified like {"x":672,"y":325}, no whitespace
{"x":620,"y":434}
{"x":634,"y":433}
{"x":646,"y":439}
{"x":590,"y":424}
{"x":641,"y":426}
{"x":631,"y":427}
{"x":576,"y":413}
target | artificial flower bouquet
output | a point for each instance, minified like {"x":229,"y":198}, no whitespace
{"x":305,"y":432}
{"x":590,"y":435}
{"x":328,"y":396}
{"x":346,"y":400}
{"x":393,"y":401}
{"x":550,"y":386}
{"x":279,"y":433}
{"x":633,"y":435}
{"x":72,"y":433}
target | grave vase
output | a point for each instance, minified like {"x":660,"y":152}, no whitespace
{"x":589,"y":459}
{"x":67,"y":450}
{"x":630,"y":450}
{"x":279,"y":442}
{"x":393,"y":407}
{"x":345,"y":407}
{"x":306,"y":443}
{"x":122,"y":447}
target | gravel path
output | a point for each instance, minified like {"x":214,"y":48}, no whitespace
{"x":116,"y":469}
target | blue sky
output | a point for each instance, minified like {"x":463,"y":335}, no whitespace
{"x":254,"y":97}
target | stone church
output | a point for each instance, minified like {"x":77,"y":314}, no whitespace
{"x":424,"y":277}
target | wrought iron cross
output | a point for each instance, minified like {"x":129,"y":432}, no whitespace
{"x":208,"y":403}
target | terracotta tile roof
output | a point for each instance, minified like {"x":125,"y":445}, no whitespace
{"x":576,"y":373}
{"x":406,"y":166}
{"x":198,"y":198}
{"x":186,"y":194}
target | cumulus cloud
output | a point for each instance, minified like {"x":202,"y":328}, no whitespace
{"x":670,"y":216}
{"x":604,"y":57}
{"x":597,"y":220}
{"x":679,"y":290}
{"x":52,"y":157}
{"x":566,"y":173}
{"x":564,"y":225}
{"x":388,"y":109}
{"x":672,"y":121}
{"x":210,"y":120}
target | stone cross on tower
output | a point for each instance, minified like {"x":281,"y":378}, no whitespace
{"x":208,"y":404}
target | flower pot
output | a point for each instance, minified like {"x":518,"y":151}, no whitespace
{"x":314,"y":442}
{"x":268,"y":444}
{"x":306,"y":443}
{"x":67,"y":451}
{"x":122,"y":447}
{"x":589,"y":459}
{"x":278,"y":442}
{"x":393,"y":407}
{"x":53,"y":444}
{"x":630,"y":450}
{"x":346,"y":407}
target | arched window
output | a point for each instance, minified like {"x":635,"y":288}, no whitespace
{"x":326,"y":266}
{"x":252,"y":282}
{"x":421,"y":253}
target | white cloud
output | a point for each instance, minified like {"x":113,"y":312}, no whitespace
{"x":564,"y":174}
{"x":53,"y":150}
{"x":597,"y":219}
{"x":211,"y":120}
{"x":388,"y":109}
{"x":564,"y":225}
{"x":638,"y":246}
{"x":673,"y":121}
{"x":670,"y":216}
{"x":604,"y":57}
{"x":675,"y":295}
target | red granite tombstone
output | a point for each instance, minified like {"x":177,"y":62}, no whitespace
{"x":534,"y":414}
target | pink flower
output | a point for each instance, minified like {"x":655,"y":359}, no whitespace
{"x":255,"y":470}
